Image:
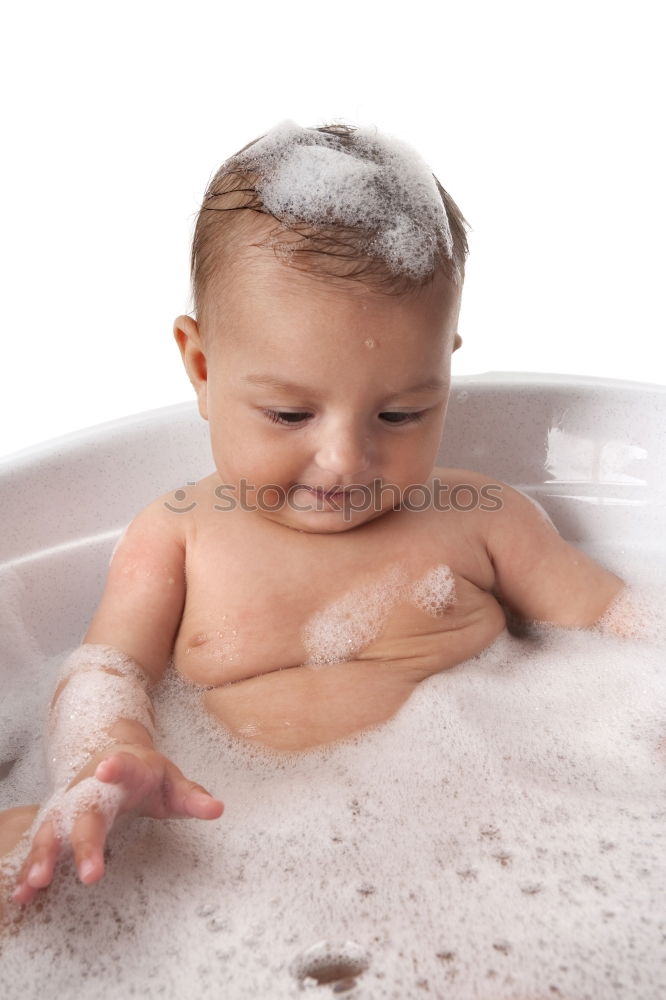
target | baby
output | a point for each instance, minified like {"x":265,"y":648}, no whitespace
{"x":326,"y":567}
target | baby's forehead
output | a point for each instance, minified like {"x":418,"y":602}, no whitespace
{"x":276,"y":313}
{"x":251,"y":275}
{"x":252,"y":281}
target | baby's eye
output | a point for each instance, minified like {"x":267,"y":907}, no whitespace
{"x":395,"y":417}
{"x":286,"y":416}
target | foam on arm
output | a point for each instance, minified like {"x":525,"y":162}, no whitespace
{"x":100,"y":686}
{"x":102,"y":696}
{"x":101,"y":690}
{"x":636,"y":612}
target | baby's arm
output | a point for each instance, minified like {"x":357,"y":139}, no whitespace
{"x":129,"y":644}
{"x":538,"y":575}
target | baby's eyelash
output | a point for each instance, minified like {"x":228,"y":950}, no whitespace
{"x":408,"y":418}
{"x":283,"y":417}
{"x":289,"y":418}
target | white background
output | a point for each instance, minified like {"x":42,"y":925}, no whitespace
{"x":544,"y":121}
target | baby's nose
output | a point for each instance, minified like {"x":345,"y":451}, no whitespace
{"x":344,"y":451}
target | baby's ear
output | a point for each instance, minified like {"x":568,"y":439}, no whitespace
{"x":187,"y":336}
{"x":457,"y":342}
{"x":185,"y":328}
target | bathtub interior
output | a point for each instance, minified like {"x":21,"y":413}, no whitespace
{"x":592,"y":452}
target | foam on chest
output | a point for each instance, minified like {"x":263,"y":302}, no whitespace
{"x":346,"y":626}
{"x":237,"y":646}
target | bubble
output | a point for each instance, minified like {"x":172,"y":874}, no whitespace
{"x":510,"y":818}
{"x":101,"y":685}
{"x":435,"y":591}
{"x":65,"y":806}
{"x":379,"y":182}
{"x":340,"y":631}
{"x":635,"y":613}
{"x":349,"y":624}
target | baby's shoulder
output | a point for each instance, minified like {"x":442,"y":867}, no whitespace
{"x":465,"y":490}
{"x":454,"y":474}
{"x":171,"y":517}
{"x":494,"y":502}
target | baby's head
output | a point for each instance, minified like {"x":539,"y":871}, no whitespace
{"x":331,"y":259}
{"x":335,"y":202}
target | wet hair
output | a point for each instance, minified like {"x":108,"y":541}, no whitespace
{"x":352,"y":235}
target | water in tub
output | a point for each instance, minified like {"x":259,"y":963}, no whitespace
{"x":501,"y":837}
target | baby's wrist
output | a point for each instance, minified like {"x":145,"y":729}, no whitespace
{"x":127,"y":731}
{"x":89,"y":769}
{"x":102,"y":701}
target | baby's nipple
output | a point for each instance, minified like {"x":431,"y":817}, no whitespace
{"x":197,"y":640}
{"x":221,"y":644}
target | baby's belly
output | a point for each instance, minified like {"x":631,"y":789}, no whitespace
{"x":295,"y":707}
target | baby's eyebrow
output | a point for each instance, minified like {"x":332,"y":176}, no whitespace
{"x":275,"y":383}
{"x":432,"y":385}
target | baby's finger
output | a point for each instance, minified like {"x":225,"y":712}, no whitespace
{"x":136,"y":778}
{"x":38,"y":868}
{"x":187,"y":798}
{"x":87,"y":839}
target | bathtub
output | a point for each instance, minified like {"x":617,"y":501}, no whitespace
{"x":591,"y":451}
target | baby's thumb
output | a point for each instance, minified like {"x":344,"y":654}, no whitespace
{"x":193,"y":800}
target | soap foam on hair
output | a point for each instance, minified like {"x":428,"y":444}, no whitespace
{"x":378,"y":182}
{"x":501,"y":837}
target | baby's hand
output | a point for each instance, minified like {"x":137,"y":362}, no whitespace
{"x":142,"y":779}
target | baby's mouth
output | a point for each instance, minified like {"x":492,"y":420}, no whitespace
{"x":336,"y":495}
{"x":317,"y":491}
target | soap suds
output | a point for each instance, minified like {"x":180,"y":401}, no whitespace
{"x":633,"y":615}
{"x":379,"y":182}
{"x":434,"y":592}
{"x":62,"y":809}
{"x":102,"y":686}
{"x":501,"y":837}
{"x":345,"y":627}
{"x":340,"y":631}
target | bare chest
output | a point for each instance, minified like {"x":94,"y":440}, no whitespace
{"x":258,"y":602}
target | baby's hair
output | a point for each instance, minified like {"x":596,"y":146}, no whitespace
{"x":350,"y":204}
